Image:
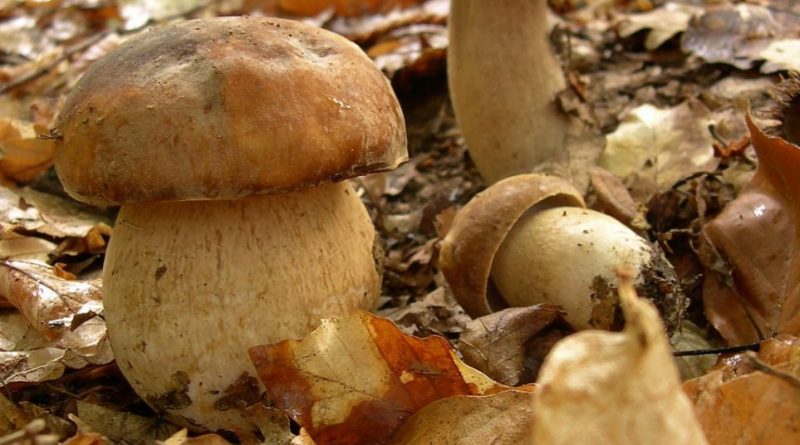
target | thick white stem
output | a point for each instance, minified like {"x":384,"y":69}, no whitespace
{"x":503,"y":79}
{"x":190,"y":286}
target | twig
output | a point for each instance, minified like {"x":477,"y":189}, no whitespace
{"x":726,"y":350}
{"x":47,"y":68}
{"x":91,"y":41}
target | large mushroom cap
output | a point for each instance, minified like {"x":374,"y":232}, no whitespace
{"x":224,"y":108}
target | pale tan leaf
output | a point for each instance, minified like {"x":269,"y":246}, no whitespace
{"x":121,"y":426}
{"x":24,"y":155}
{"x":781,"y":55}
{"x":182,"y":438}
{"x":47,"y":301}
{"x":661,"y":146}
{"x":663,"y":23}
{"x":615,"y":388}
{"x":504,"y":418}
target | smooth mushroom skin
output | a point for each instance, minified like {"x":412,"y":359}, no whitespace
{"x":503,"y":78}
{"x":190,"y":286}
{"x":225,"y":108}
{"x":568,"y":256}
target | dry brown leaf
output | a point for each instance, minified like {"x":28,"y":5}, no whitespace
{"x":87,"y":439}
{"x":659,"y":147}
{"x":24,"y":155}
{"x":26,"y":356}
{"x":613,"y":198}
{"x":615,"y":388}
{"x":350,"y":8}
{"x":47,"y":301}
{"x":499,"y":419}
{"x":737,"y":404}
{"x":759,"y":236}
{"x":182,"y":438}
{"x":496,"y":344}
{"x":355,"y":379}
{"x":119,"y":426}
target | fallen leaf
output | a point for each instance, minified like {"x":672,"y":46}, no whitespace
{"x":613,"y":198}
{"x":182,"y":438}
{"x":499,"y":419}
{"x":354,"y":380}
{"x":127,"y":427}
{"x":26,"y":356}
{"x":781,"y":55}
{"x":758,"y":235}
{"x":48,"y":302}
{"x":496,"y":344}
{"x":731,"y":34}
{"x":663,"y":23}
{"x":689,"y":337}
{"x":24,"y":155}
{"x":342,"y":7}
{"x":660,"y":147}
{"x":740,"y":404}
{"x":83,"y":438}
{"x":615,"y":388}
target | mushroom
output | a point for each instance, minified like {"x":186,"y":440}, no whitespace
{"x":225,"y":141}
{"x":503,"y":79}
{"x":529,"y":239}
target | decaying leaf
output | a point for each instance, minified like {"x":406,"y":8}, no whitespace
{"x":759,"y":236}
{"x":27,"y":356}
{"x":24,"y":154}
{"x":48,"y":301}
{"x":83,"y":438}
{"x":355,"y":379}
{"x":660,"y":147}
{"x":689,"y":337}
{"x":504,"y":418}
{"x":124,"y":426}
{"x":341,"y":7}
{"x":664,"y":23}
{"x":182,"y":438}
{"x":503,"y":344}
{"x":732,"y":34}
{"x":615,"y":388}
{"x":757,"y":405}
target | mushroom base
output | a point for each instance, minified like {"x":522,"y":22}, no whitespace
{"x":190,"y":286}
{"x":568,"y":256}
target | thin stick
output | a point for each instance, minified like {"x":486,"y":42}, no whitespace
{"x":726,"y":350}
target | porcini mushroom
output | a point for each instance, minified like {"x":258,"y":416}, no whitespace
{"x":223,"y":140}
{"x":529,"y":239}
{"x":503,"y":78}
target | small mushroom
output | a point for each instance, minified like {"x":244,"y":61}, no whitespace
{"x":503,"y":78}
{"x":529,"y":239}
{"x":223,"y":140}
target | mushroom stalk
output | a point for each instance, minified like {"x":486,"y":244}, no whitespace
{"x":503,"y":78}
{"x":191,"y":285}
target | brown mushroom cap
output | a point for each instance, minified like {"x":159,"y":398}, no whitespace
{"x":224,"y":108}
{"x":480,"y":227}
